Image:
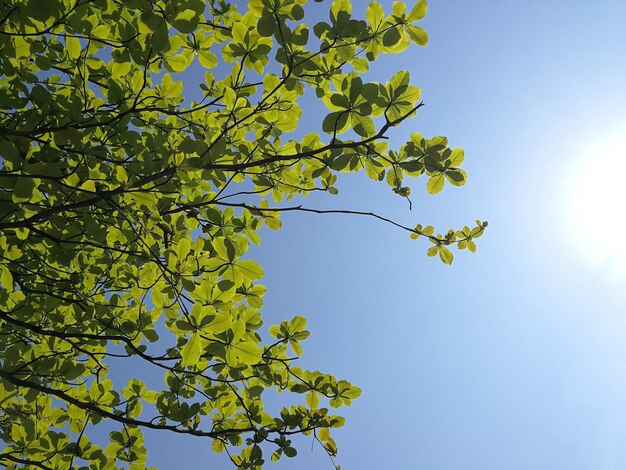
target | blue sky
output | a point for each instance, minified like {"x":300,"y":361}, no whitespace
{"x":514,"y":357}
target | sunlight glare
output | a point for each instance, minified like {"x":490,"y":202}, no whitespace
{"x":595,"y":203}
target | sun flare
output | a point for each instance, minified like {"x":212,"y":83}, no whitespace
{"x":595,"y":202}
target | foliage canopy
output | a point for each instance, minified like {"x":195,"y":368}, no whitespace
{"x":127,"y":208}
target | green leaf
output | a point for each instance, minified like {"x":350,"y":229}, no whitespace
{"x":418,"y":35}
{"x":218,"y":446}
{"x":456,"y":177}
{"x":220,"y":323}
{"x":89,"y":185}
{"x":171,"y":89}
{"x":151,"y":20}
{"x":418,"y":11}
{"x":394,"y":177}
{"x":6,"y":279}
{"x":144,"y":198}
{"x":275,"y":331}
{"x":435,"y":183}
{"x":361,"y":65}
{"x":312,"y":400}
{"x":363,"y":125}
{"x":374,"y":14}
{"x":192,"y":350}
{"x":266,"y":25}
{"x":457,"y":157}
{"x":297,"y":12}
{"x":9,"y":151}
{"x":160,"y":38}
{"x":207,"y":59}
{"x":24,"y":189}
{"x":251,"y":270}
{"x":186,"y":21}
{"x":290,"y":451}
{"x":183,"y":248}
{"x":240,"y":33}
{"x":433,"y":250}
{"x":297,"y":324}
{"x":72,"y":45}
{"x":336,"y":122}
{"x":179,"y":62}
{"x":225,"y":249}
{"x":246,"y":352}
{"x":340,"y":8}
{"x":391,"y":37}
{"x":446,"y":255}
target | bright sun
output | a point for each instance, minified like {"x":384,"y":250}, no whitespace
{"x":595,"y":203}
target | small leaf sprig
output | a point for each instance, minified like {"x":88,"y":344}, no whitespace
{"x":463,"y":239}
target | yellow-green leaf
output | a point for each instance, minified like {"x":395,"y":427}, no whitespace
{"x":144,"y":198}
{"x":192,"y":350}
{"x":374,"y":14}
{"x":418,"y":11}
{"x":433,"y":250}
{"x":251,"y":270}
{"x":312,"y":400}
{"x":207,"y":59}
{"x":6,"y":279}
{"x":245,"y":352}
{"x":24,"y":189}
{"x":72,"y":45}
{"x":456,"y":157}
{"x":435,"y":183}
{"x":170,"y":88}
{"x":446,"y":255}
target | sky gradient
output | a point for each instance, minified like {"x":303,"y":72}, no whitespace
{"x":513,"y":357}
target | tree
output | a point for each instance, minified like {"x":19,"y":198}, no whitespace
{"x":127,"y":208}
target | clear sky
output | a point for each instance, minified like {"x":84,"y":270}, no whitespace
{"x":514,"y":357}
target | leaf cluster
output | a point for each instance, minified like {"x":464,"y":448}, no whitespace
{"x":127,"y":206}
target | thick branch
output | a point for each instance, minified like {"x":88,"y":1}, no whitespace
{"x":12,"y":458}
{"x":107,"y":414}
